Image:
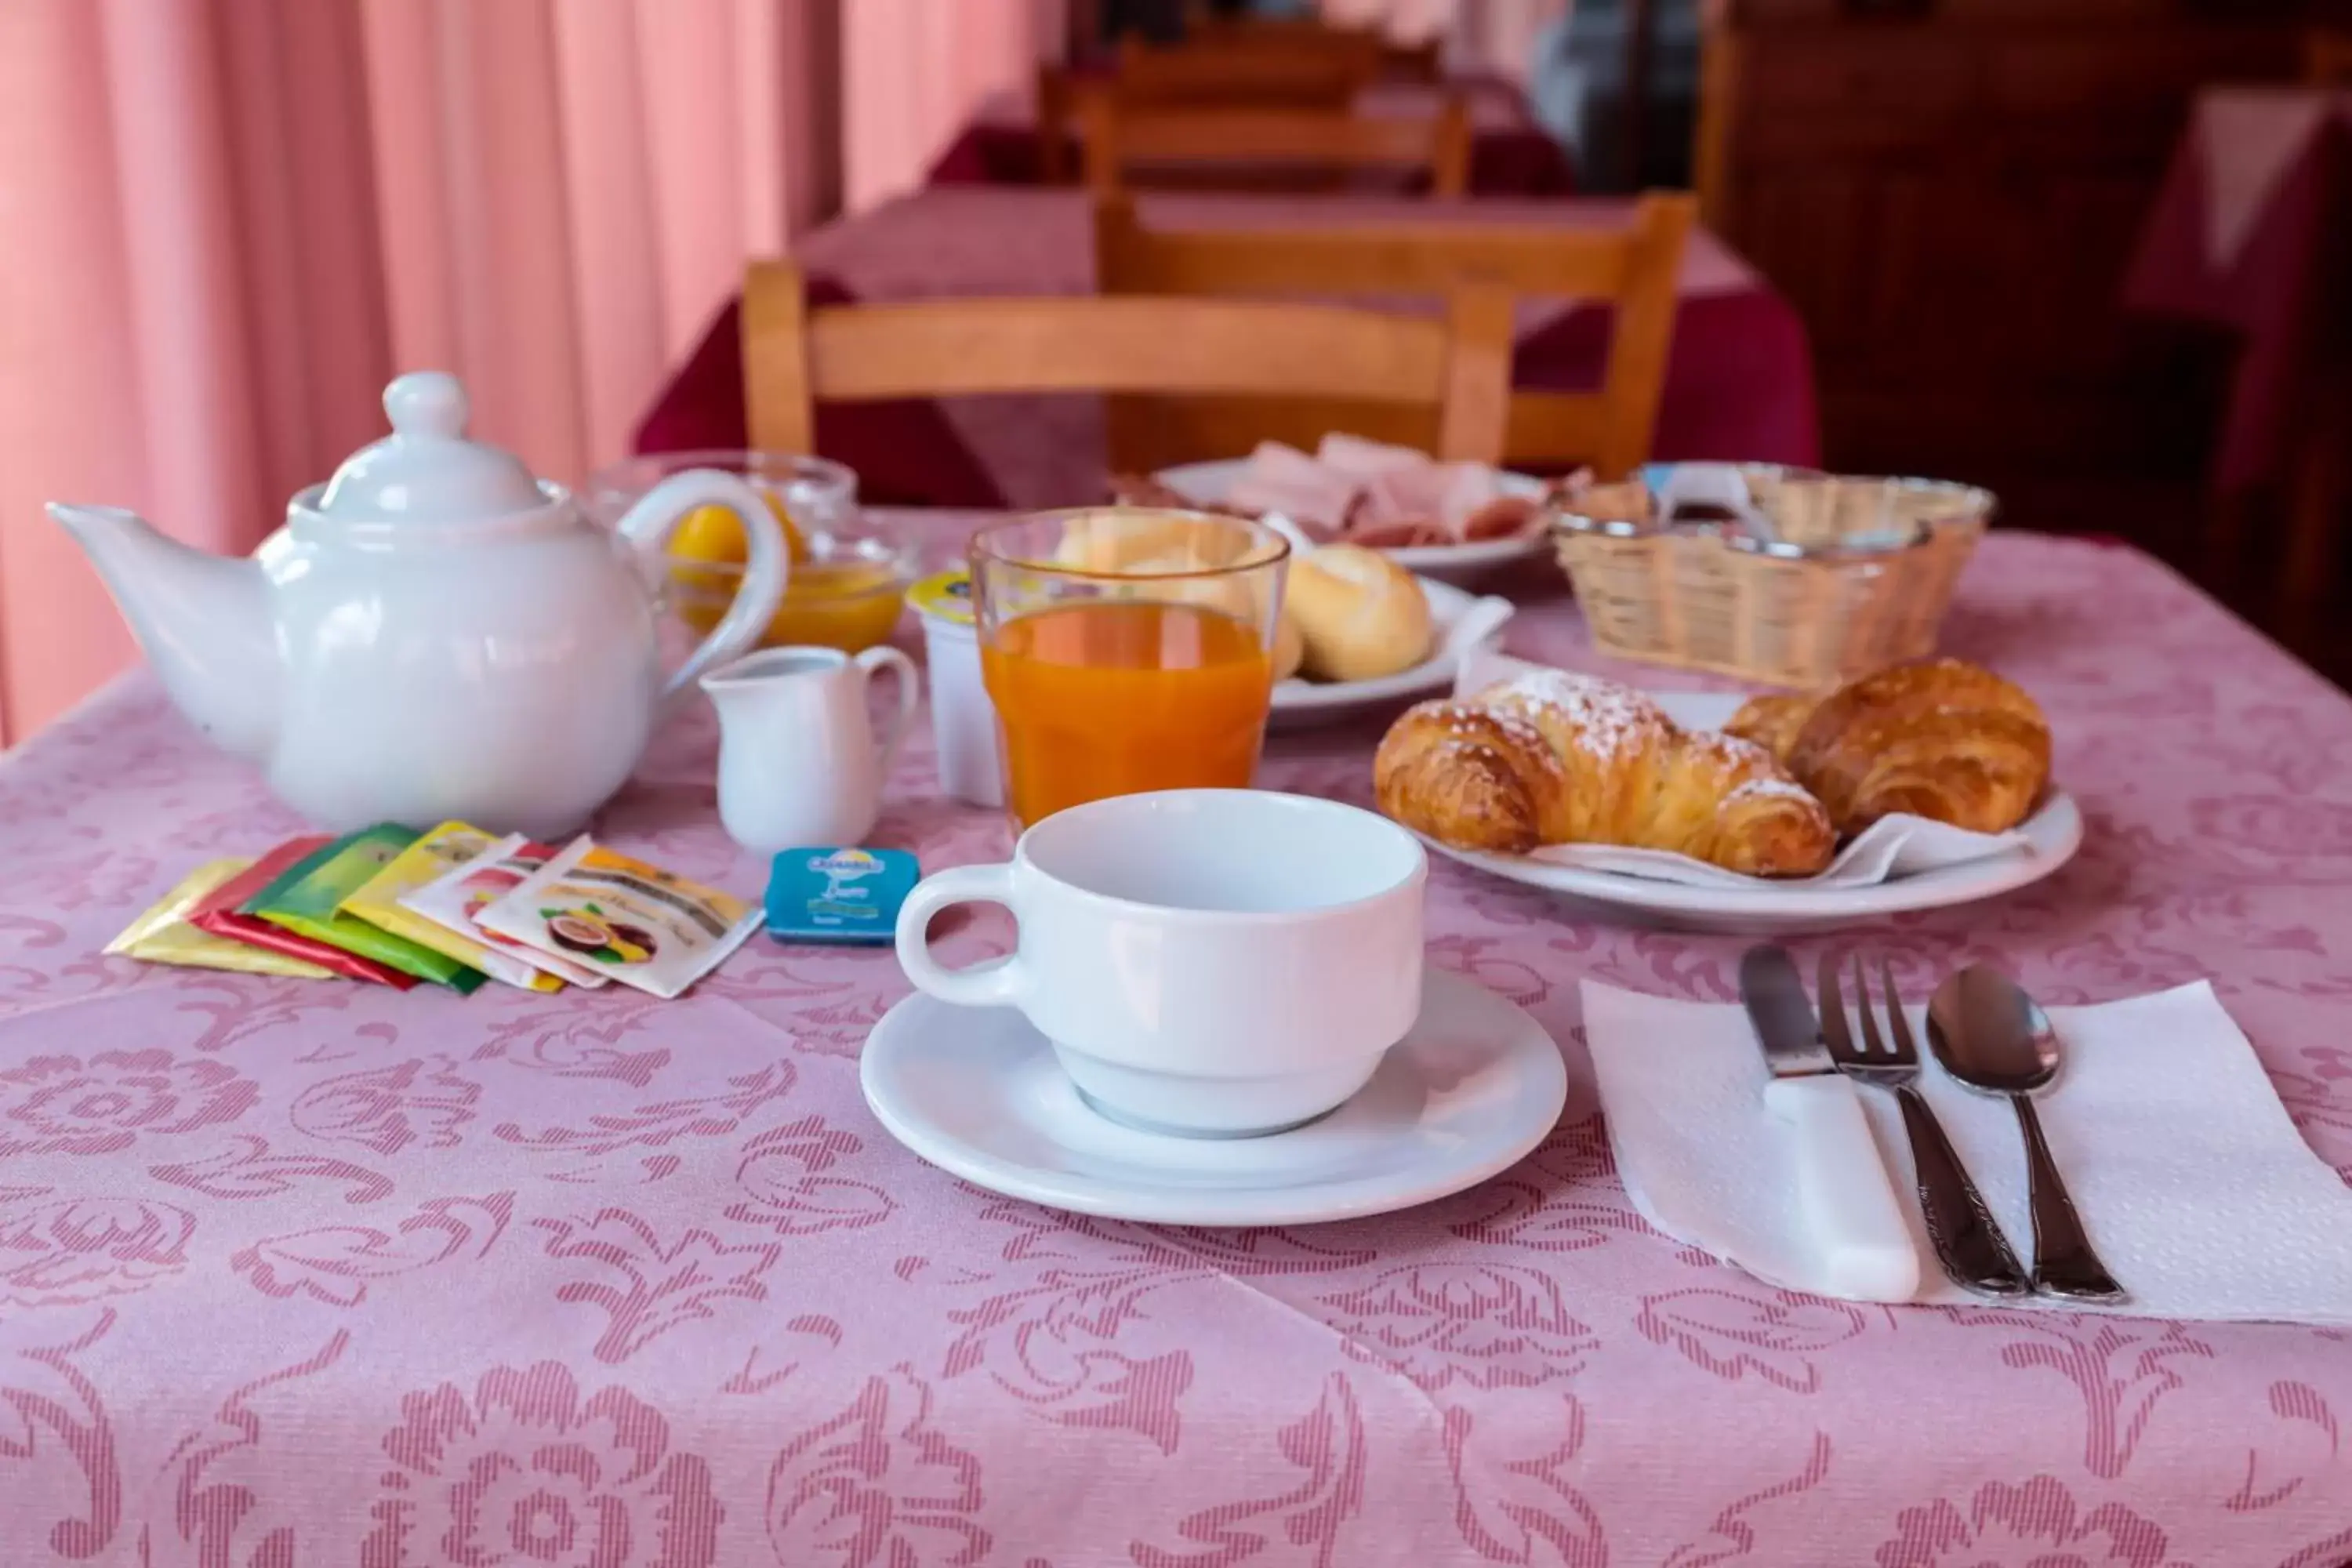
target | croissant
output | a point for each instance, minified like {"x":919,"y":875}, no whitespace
{"x":1942,"y":739}
{"x":1550,"y":757}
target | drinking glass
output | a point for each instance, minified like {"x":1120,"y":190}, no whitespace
{"x":1126,"y":649}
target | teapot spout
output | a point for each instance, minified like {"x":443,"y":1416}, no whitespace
{"x":203,"y":621}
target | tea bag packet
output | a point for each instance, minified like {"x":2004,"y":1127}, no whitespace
{"x":445,"y":849}
{"x":305,"y":900}
{"x":640,"y":924}
{"x":221,"y":912}
{"x":453,"y":899}
{"x":163,"y":934}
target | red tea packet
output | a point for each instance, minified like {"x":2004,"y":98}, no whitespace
{"x":217,"y":912}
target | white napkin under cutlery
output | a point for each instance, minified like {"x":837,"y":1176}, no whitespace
{"x":2201,"y":1196}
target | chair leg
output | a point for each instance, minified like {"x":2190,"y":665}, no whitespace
{"x":2232,"y":519}
{"x":2315,"y":512}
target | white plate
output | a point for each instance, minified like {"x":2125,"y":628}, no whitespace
{"x":976,"y":1091}
{"x":2055,"y":832}
{"x":1205,"y":484}
{"x":1299,"y":701}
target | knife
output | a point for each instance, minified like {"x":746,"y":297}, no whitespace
{"x":1843,"y":1189}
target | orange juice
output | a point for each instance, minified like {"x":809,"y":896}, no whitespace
{"x":1116,"y":697}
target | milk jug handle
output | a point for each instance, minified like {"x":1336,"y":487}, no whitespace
{"x":873,"y":661}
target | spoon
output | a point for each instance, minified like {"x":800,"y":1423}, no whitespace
{"x":1993,"y":1038}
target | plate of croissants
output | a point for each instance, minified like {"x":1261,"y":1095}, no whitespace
{"x":1450,"y":520}
{"x":1919,"y":786}
{"x":1359,"y":631}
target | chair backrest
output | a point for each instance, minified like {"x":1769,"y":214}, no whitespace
{"x":1233,"y":78}
{"x":1324,"y":363}
{"x":1637,"y":266}
{"x":1239,"y":141}
{"x":1292,"y":66}
{"x":2327,"y":57}
{"x":1396,"y":62}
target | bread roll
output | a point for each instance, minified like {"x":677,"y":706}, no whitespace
{"x":1149,"y":540}
{"x":1289,"y":647}
{"x":1360,"y":615}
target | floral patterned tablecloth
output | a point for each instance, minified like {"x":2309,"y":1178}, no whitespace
{"x":298,"y":1273}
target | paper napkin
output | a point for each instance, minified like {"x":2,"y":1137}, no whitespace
{"x":2202,"y":1197}
{"x":1894,"y":846}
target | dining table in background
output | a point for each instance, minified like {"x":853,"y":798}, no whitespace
{"x":305,"y":1271}
{"x":2251,"y":236}
{"x":1511,"y":153}
{"x":1738,"y":386}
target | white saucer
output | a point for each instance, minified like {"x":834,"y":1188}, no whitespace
{"x":976,"y":1091}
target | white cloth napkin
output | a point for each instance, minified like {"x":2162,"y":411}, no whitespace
{"x":2202,"y":1197}
{"x":1894,"y":846}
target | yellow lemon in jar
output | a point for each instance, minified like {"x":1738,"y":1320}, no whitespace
{"x":714,"y":535}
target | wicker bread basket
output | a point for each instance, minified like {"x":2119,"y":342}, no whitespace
{"x":1838,"y":577}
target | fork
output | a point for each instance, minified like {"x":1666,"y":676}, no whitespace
{"x":1967,"y":1243}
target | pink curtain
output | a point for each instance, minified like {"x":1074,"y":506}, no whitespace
{"x":230,"y":223}
{"x":913,"y":71}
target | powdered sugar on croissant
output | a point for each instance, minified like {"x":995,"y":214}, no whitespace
{"x":1553,"y":757}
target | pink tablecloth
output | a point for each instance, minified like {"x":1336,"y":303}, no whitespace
{"x":297,"y":1273}
{"x":1510,"y":154}
{"x":2246,"y":236}
{"x":1739,"y":383}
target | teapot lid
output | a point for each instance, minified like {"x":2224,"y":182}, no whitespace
{"x":425,"y":471}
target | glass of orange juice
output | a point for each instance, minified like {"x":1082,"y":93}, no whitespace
{"x":1126,"y":649}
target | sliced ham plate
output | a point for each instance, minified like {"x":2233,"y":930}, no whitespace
{"x":1372,"y":493}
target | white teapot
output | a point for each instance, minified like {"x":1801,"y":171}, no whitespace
{"x":435,"y":633}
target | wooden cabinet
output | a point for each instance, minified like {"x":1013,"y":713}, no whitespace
{"x":1952,"y":200}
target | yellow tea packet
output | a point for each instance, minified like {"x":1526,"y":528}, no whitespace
{"x":643,"y":926}
{"x":163,"y":935}
{"x":379,"y":902}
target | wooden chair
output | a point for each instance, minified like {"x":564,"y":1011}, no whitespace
{"x":1165,"y":79}
{"x":1243,"y":144}
{"x":1637,"y":267}
{"x":1397,"y":62}
{"x":1325,"y":364}
{"x":1292,"y":67}
{"x":2327,"y":57}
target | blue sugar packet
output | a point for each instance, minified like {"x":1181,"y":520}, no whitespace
{"x":839,"y":895}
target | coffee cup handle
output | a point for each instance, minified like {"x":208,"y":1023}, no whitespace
{"x":983,"y":985}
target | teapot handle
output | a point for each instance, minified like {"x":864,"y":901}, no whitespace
{"x":648,"y":525}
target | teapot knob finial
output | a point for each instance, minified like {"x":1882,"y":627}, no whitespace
{"x":426,"y":403}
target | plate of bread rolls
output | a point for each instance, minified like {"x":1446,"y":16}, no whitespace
{"x":1915,"y":787}
{"x":1359,"y":630}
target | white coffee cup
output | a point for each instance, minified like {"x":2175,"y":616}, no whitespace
{"x":1214,"y":963}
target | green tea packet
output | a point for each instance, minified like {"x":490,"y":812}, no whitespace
{"x":306,"y":898}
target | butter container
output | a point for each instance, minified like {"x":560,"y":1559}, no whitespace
{"x":839,"y":896}
{"x":963,"y":719}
